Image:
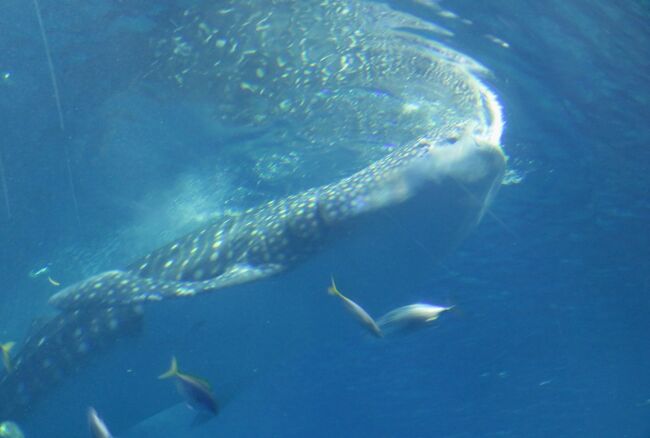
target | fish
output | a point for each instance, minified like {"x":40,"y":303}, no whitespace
{"x":9,"y":429}
{"x":358,"y":311}
{"x":96,"y":425}
{"x":411,"y":317}
{"x":195,"y":390}
{"x":6,"y":357}
{"x":34,"y":273}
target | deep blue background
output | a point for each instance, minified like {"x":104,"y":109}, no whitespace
{"x":552,"y":334}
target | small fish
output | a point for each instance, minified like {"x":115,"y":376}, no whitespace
{"x":410,"y":317}
{"x":196,"y":391}
{"x":45,"y":270}
{"x":38,"y":272}
{"x":9,"y":429}
{"x":97,"y":427}
{"x":6,"y":358}
{"x":357,"y":311}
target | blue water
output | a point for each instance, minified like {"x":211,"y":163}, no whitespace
{"x":552,"y":288}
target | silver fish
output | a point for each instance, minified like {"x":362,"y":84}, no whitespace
{"x":358,"y":311}
{"x":411,"y":317}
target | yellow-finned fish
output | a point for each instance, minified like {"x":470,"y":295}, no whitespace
{"x":6,"y":357}
{"x":356,"y":310}
{"x":9,"y":429}
{"x":45,"y":270}
{"x":196,"y":391}
{"x":410,"y":317}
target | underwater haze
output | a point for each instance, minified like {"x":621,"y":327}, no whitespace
{"x":490,"y":158}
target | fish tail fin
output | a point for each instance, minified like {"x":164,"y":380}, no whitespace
{"x":332,"y":290}
{"x":436,"y":316}
{"x":453,"y":308}
{"x":6,"y":347}
{"x":173,"y":370}
{"x":6,"y":358}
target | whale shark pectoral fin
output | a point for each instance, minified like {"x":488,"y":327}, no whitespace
{"x":238,"y":274}
{"x":124,"y":287}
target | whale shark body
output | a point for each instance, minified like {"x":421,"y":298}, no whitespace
{"x":249,"y":246}
{"x":275,"y":236}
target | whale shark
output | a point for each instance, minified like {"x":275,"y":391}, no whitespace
{"x":250,"y":246}
{"x":334,"y":72}
{"x":275,"y":236}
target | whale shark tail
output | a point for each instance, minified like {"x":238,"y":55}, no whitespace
{"x":60,"y":346}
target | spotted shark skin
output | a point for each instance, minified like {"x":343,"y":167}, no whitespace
{"x":268,"y":239}
{"x":236,"y":249}
{"x":60,"y":346}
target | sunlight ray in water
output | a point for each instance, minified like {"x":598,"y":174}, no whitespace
{"x":57,"y":99}
{"x":48,"y":54}
{"x":5,"y":191}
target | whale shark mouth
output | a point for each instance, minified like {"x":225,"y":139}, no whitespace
{"x":419,"y":131}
